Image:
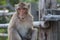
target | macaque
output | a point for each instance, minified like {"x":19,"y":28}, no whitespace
{"x":21,"y":24}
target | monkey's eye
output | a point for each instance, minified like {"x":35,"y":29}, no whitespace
{"x":22,"y":8}
{"x":18,"y":8}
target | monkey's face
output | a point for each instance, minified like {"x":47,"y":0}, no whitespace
{"x":22,"y":11}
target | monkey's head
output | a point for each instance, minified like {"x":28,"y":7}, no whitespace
{"x":22,"y":8}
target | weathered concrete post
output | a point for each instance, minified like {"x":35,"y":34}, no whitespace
{"x":52,"y":31}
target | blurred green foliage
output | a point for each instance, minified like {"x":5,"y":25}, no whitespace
{"x":13,"y":2}
{"x":3,"y":38}
{"x":58,"y":1}
{"x":4,"y":20}
{"x":2,"y":2}
{"x":3,"y":31}
{"x":28,"y":0}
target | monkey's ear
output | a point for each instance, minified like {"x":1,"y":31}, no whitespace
{"x":16,"y":6}
{"x":28,"y":5}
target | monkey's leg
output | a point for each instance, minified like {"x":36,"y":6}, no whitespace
{"x":13,"y":35}
{"x":34,"y":34}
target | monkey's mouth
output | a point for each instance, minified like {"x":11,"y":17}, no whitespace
{"x":21,"y":18}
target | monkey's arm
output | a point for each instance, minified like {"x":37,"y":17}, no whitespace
{"x":12,"y":33}
{"x":34,"y":34}
{"x":35,"y":31}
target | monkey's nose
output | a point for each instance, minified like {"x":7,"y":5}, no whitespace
{"x":22,"y":18}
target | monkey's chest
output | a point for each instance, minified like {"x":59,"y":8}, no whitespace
{"x":23,"y":28}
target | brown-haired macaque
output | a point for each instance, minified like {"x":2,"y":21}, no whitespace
{"x":21,"y":25}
